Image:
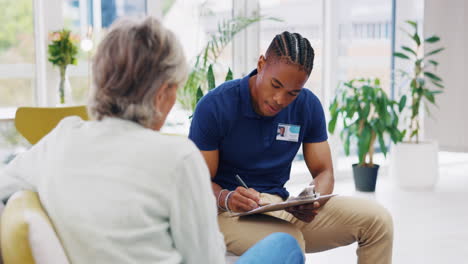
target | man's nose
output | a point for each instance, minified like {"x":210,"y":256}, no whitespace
{"x":279,"y":98}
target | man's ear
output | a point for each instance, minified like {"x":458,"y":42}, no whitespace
{"x":261,"y":63}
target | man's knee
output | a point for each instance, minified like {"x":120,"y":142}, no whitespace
{"x":371,"y":218}
{"x":379,"y":221}
{"x":241,"y":234}
{"x":295,"y":233}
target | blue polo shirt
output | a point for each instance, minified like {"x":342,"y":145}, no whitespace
{"x":252,"y":145}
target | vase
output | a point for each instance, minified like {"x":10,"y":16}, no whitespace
{"x":64,"y":88}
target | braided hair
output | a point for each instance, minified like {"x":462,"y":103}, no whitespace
{"x":292,"y":48}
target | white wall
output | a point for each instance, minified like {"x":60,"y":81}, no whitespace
{"x":449,"y":125}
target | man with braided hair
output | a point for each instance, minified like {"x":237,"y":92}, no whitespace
{"x":236,"y":128}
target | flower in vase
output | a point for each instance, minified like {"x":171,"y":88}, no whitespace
{"x":63,"y":50}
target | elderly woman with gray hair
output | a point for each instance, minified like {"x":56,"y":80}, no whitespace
{"x":117,"y":190}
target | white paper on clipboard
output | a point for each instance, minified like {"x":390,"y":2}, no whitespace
{"x":283,"y":205}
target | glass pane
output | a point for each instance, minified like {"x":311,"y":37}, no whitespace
{"x":16,"y":53}
{"x":110,"y":11}
{"x":80,"y":89}
{"x":11,"y":142}
{"x":16,"y":92}
{"x":71,"y":15}
{"x":113,"y":9}
{"x":200,"y":22}
{"x":364,"y":46}
{"x":301,"y":16}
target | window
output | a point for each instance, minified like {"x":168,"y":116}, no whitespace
{"x":200,"y":22}
{"x":16,"y":53}
{"x":301,"y":16}
{"x":91,"y":22}
{"x":364,"y":40}
{"x":17,"y":77}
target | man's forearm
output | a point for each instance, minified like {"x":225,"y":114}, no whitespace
{"x":324,"y":182}
{"x":216,"y":189}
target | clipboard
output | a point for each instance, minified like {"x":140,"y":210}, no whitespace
{"x":283,"y":205}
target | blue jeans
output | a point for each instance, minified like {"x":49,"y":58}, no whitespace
{"x":277,"y":248}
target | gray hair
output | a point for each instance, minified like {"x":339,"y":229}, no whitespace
{"x":131,"y":64}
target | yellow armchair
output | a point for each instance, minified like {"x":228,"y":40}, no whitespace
{"x":36,"y":122}
{"x":27,"y":235}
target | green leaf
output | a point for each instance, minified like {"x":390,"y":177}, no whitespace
{"x":412,"y":23}
{"x":432,"y":39}
{"x":387,"y":119}
{"x":433,"y":62}
{"x":414,"y":109}
{"x":333,"y":107}
{"x":408,"y":49}
{"x":229,"y":75}
{"x":396,"y":135}
{"x":383,"y":146}
{"x":347,"y":143}
{"x":416,"y":131}
{"x":429,"y":96}
{"x":433,"y":76}
{"x":395,"y":118}
{"x":416,"y":39}
{"x":348,"y":84}
{"x":365,"y":112}
{"x":366,"y":91}
{"x":363,"y":143}
{"x":401,"y":55}
{"x":332,"y":124}
{"x":199,"y":94}
{"x":402,"y":135}
{"x":434,"y":52}
{"x":402,"y":103}
{"x":210,"y":78}
{"x":377,"y":82}
{"x":438,"y":84}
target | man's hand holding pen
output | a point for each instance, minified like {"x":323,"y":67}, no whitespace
{"x":243,"y":200}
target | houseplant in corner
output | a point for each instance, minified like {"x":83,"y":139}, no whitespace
{"x":62,"y":52}
{"x":414,"y":163}
{"x":367,"y":116}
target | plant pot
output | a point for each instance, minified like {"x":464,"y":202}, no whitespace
{"x":415,"y":166}
{"x":365,"y":178}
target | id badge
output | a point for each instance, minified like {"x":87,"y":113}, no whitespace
{"x":287,"y":132}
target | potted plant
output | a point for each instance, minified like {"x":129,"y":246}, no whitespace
{"x":367,"y":115}
{"x":62,"y":52}
{"x":414,"y":162}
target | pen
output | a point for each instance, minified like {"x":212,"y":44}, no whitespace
{"x":241,"y":181}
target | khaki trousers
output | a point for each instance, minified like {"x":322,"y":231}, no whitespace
{"x":341,"y":221}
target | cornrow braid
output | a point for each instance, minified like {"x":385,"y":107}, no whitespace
{"x":293,"y":48}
